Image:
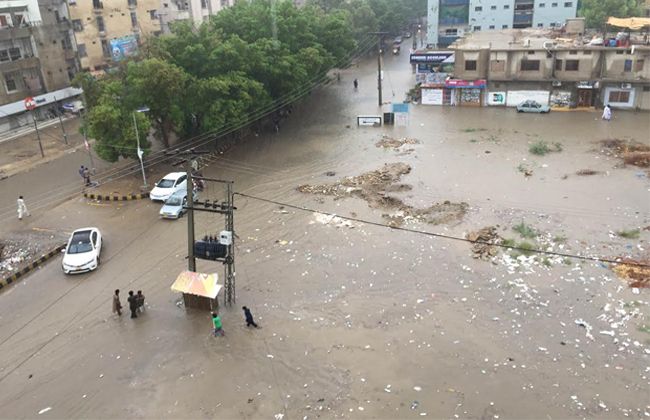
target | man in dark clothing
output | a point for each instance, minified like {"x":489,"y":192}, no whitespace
{"x":140,"y":298}
{"x":249,"y":317}
{"x":82,"y":170}
{"x":133,"y":304}
{"x":356,"y":84}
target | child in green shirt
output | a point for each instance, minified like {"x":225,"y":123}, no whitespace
{"x":218,"y":328}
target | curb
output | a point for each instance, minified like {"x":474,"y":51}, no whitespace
{"x":110,"y":197}
{"x":5,"y":282}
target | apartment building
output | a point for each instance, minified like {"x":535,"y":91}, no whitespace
{"x":37,"y":57}
{"x":516,"y":65}
{"x":107,"y":31}
{"x":196,"y":11}
{"x":449,"y":20}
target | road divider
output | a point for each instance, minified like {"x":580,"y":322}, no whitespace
{"x":116,"y":197}
{"x":7,"y":281}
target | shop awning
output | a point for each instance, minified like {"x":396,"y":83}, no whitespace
{"x":198,"y":284}
{"x":634,"y":23}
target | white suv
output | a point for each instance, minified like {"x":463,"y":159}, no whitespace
{"x":167,"y":186}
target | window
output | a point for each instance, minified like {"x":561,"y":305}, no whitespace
{"x":568,"y":4}
{"x":620,"y":52}
{"x":77,"y":25}
{"x":105,"y":49}
{"x":478,"y":8}
{"x":451,"y":32}
{"x":204,"y":4}
{"x":224,"y":3}
{"x":81,"y":48}
{"x":134,"y":19}
{"x":132,"y":2}
{"x":504,"y":26}
{"x":619,"y":96}
{"x":627,"y":66}
{"x":4,"y":55}
{"x":553,"y":4}
{"x":558,"y":65}
{"x":497,"y":65}
{"x":572,"y":65}
{"x":531,"y":52}
{"x":14,"y":54}
{"x":529,"y":65}
{"x":573,"y":52}
{"x":10,"y":83}
{"x":477,"y":28}
{"x":152,"y":14}
{"x":97,"y":4}
{"x":493,"y":8}
{"x":540,"y":25}
{"x":491,"y":26}
{"x":586,"y":52}
{"x":470,"y":65}
{"x":100,"y":24}
{"x":638,"y":66}
{"x":541,"y":5}
{"x":506,"y":6}
{"x":646,"y":88}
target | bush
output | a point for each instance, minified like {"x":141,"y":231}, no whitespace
{"x":525,"y":230}
{"x":541,"y":148}
{"x":629,"y":234}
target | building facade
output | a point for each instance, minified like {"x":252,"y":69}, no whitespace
{"x":107,"y":31}
{"x":449,"y":20}
{"x":521,"y":65}
{"x":195,"y":11}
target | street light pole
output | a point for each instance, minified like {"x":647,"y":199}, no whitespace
{"x":58,"y":112}
{"x":137,"y":138}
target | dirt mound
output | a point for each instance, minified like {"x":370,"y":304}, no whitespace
{"x":482,"y":250}
{"x":389,"y":142}
{"x":375,"y":187}
{"x":635,"y":275}
{"x":632,"y":152}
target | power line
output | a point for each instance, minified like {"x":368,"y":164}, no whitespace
{"x":440,"y":235}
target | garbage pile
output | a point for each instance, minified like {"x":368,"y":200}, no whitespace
{"x":631,"y":152}
{"x":389,"y":142}
{"x":12,"y":256}
{"x":487,"y":235}
{"x":636,"y":275}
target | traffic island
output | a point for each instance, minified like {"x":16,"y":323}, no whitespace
{"x":9,"y":280}
{"x":115,"y":196}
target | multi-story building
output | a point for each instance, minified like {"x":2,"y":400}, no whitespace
{"x":37,"y":56}
{"x":109,"y":30}
{"x":508,"y":67}
{"x":449,"y":20}
{"x":196,"y":11}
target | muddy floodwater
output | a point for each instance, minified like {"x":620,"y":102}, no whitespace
{"x":361,"y":320}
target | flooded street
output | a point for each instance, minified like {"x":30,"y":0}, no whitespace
{"x":360,"y":320}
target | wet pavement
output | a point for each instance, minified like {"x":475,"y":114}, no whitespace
{"x":357,"y":320}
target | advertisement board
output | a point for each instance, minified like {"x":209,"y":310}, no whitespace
{"x":124,"y":47}
{"x":515,"y":97}
{"x":467,"y":84}
{"x":369,"y":120}
{"x":432,"y":96}
{"x":430,"y":57}
{"x":496,"y":98}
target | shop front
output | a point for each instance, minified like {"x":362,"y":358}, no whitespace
{"x":431,"y":62}
{"x":620,"y":95}
{"x":467,"y":92}
{"x":585,"y":94}
{"x":434,"y":92}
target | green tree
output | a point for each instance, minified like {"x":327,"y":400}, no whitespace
{"x":596,"y":12}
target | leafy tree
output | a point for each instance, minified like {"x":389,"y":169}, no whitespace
{"x":596,"y":12}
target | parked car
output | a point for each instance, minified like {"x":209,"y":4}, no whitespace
{"x":75,"y":107}
{"x":533,"y":106}
{"x":83,"y":250}
{"x":167,"y":186}
{"x":173,"y":207}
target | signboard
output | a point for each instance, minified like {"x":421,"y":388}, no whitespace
{"x":432,"y":96}
{"x":30,"y":103}
{"x":400,"y":107}
{"x":496,"y":98}
{"x":401,"y":119}
{"x":436,"y":57}
{"x":468,"y":84}
{"x":436,"y":78}
{"x":515,"y":97}
{"x":369,"y":120}
{"x":124,"y":47}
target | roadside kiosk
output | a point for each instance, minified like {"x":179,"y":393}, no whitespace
{"x":199,"y":290}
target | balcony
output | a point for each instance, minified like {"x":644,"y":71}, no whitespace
{"x":21,"y":64}
{"x":7,"y":33}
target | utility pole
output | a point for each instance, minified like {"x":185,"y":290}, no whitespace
{"x":58,"y":112}
{"x":191,"y":261}
{"x":40,"y":145}
{"x":380,"y":36}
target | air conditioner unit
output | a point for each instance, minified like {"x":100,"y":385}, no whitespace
{"x":626,"y":85}
{"x":557,"y":83}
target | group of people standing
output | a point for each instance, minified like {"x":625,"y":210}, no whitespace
{"x":136,"y":303}
{"x":84,"y":172}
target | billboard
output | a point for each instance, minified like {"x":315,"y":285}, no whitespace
{"x":124,"y":47}
{"x":432,"y":96}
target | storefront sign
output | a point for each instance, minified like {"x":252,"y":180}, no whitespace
{"x":496,"y":98}
{"x":436,"y":57}
{"x":126,"y":46}
{"x":437,"y":78}
{"x":586,"y":85}
{"x":472,"y":84}
{"x":369,"y":120}
{"x":432,"y":96}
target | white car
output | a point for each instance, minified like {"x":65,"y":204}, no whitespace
{"x":83,"y":250}
{"x":173,"y":207}
{"x":167,"y":186}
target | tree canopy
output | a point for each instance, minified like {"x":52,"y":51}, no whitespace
{"x":596,"y":12}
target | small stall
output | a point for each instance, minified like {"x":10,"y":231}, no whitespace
{"x":199,"y":290}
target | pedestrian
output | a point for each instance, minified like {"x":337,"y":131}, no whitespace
{"x":249,"y":317}
{"x":338,"y":76}
{"x":607,"y":113}
{"x":133,"y":304}
{"x":218,"y":327}
{"x":117,"y":305}
{"x":140,"y":300}
{"x":82,"y":171}
{"x":356,"y":84}
{"x":22,"y":208}
{"x":87,"y":177}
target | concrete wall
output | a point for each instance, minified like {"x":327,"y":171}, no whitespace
{"x":461,"y":58}
{"x":614,"y":67}
{"x":588,"y":65}
{"x":549,"y":13}
{"x":31,"y":13}
{"x":496,"y":13}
